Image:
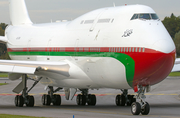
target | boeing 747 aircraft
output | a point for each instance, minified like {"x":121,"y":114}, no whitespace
{"x":125,"y":47}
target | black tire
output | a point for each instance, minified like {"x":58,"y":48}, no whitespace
{"x":16,"y":100}
{"x":58,"y":100}
{"x":93,"y":100}
{"x":82,"y":100}
{"x":27,"y":104}
{"x":54,"y":101}
{"x":47,"y":100}
{"x":146,"y":109}
{"x":135,"y":108}
{"x":117,"y":100}
{"x":122,"y":100}
{"x":43,"y":99}
{"x":20,"y":101}
{"x":78,"y":99}
{"x":31,"y":101}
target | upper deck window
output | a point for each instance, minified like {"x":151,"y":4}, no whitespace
{"x":145,"y":16}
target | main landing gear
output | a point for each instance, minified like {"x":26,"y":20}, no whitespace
{"x":125,"y":99}
{"x":24,"y":98}
{"x":142,"y":106}
{"x":49,"y":98}
{"x":84,"y":98}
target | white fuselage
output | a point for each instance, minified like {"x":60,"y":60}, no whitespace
{"x":97,"y":29}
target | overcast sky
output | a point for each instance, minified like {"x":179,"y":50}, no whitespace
{"x":41,"y":11}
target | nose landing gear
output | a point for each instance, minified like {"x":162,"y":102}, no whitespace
{"x":142,"y":106}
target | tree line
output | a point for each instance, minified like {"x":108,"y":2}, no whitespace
{"x":3,"y":49}
{"x":171,"y":23}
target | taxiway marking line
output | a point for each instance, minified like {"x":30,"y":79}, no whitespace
{"x":103,"y":112}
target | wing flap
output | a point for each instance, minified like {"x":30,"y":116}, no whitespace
{"x":20,"y":69}
{"x":6,"y":68}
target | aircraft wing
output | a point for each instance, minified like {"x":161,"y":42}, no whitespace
{"x":33,"y":67}
{"x":176,"y":67}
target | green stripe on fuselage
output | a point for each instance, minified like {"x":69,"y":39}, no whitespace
{"x":123,"y":58}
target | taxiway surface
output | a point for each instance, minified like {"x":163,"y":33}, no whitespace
{"x":164,"y":100}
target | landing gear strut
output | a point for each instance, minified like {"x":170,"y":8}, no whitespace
{"x":125,"y":99}
{"x":142,"y":106}
{"x":84,"y":98}
{"x":24,"y":98}
{"x":49,"y":98}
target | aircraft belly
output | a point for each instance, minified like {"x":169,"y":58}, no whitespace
{"x":89,"y":72}
{"x":92,"y":72}
{"x":106,"y":72}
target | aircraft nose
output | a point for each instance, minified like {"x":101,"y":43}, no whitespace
{"x":156,"y":64}
{"x":165,"y":46}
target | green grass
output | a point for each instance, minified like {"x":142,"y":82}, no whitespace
{"x":3,"y":75}
{"x":16,"y":116}
{"x":3,"y":84}
{"x":174,"y":74}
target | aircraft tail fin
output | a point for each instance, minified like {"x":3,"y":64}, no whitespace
{"x":18,"y":13}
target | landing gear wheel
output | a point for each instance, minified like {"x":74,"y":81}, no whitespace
{"x":47,"y":100}
{"x":117,"y":100}
{"x":146,"y":109}
{"x":16,"y":100}
{"x":57,"y":100}
{"x":20,"y":100}
{"x":120,"y":100}
{"x":78,"y":99}
{"x":135,"y":108}
{"x":30,"y":101}
{"x":82,"y":100}
{"x":91,"y":100}
{"x":43,"y":99}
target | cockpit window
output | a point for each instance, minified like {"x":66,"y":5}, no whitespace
{"x":154,"y":16}
{"x":135,"y":16}
{"x":145,"y":16}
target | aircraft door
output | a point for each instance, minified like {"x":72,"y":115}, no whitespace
{"x":96,"y":20}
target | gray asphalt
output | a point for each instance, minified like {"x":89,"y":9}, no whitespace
{"x":164,"y":100}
